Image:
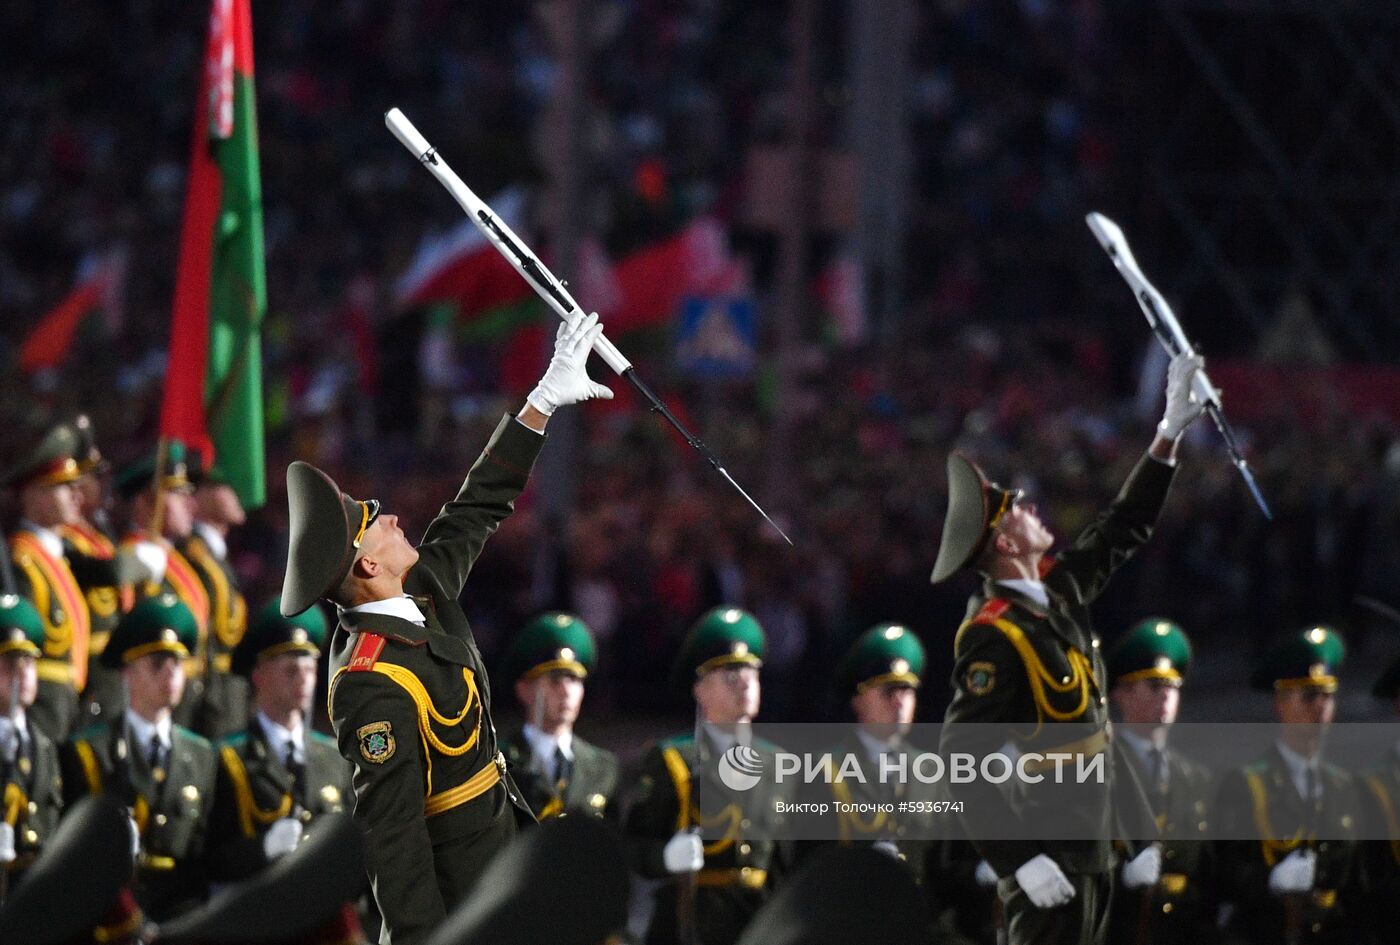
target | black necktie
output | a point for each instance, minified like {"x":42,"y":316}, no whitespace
{"x":1157,"y":772}
{"x":1312,"y":803}
{"x":297,"y":770}
{"x":563,"y":768}
{"x":157,"y":753}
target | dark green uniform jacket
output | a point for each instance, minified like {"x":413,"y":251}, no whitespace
{"x":32,"y":791}
{"x":590,"y":788}
{"x":742,"y":857}
{"x":411,"y":707}
{"x":1380,"y":805}
{"x":171,"y":807}
{"x":217,"y":704}
{"x":1181,"y":908}
{"x":1035,"y":675}
{"x":1261,"y":802}
{"x":910,"y":832}
{"x":256,"y":790}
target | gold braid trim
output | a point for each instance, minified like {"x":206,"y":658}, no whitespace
{"x":248,"y":809}
{"x":1272,"y":849}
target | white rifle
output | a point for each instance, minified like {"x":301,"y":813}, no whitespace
{"x":1168,"y":332}
{"x":554,"y":292}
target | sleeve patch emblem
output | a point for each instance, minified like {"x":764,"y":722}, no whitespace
{"x":981,"y":678}
{"x":376,"y":742}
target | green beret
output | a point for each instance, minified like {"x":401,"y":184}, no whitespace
{"x":1308,"y":659}
{"x":975,"y":507}
{"x":21,"y":627}
{"x":1155,"y":648}
{"x":51,"y":461}
{"x":552,"y":641}
{"x":271,"y":634}
{"x":723,"y":637}
{"x":161,"y":624}
{"x":325,"y":527}
{"x":888,"y":653}
{"x":137,"y":477}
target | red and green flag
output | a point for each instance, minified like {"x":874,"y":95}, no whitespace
{"x":213,"y":388}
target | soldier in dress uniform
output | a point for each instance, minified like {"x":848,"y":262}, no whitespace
{"x":1147,"y":667}
{"x":1380,"y":804}
{"x":223,"y":707}
{"x":91,"y":549}
{"x":880,"y":677}
{"x":1288,"y":821}
{"x":277,"y":774}
{"x":409,"y":696}
{"x":164,"y":774}
{"x":1028,"y":671}
{"x":163,"y":567}
{"x":31,"y":789}
{"x":559,"y":772}
{"x":722,"y":873}
{"x":47,"y":500}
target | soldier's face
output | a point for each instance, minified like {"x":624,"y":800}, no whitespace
{"x":50,"y":506}
{"x":1022,"y":532}
{"x":1305,"y":706}
{"x":179,"y":513}
{"x":285,"y":682}
{"x":553,"y":699}
{"x":1148,"y":701}
{"x":886,"y":709}
{"x":385,"y":543}
{"x":218,"y":503}
{"x":728,"y":694}
{"x":22,"y":667}
{"x":154,"y":682}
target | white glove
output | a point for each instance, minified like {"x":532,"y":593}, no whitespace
{"x":984,"y":874}
{"x":887,"y":847}
{"x":684,"y":853}
{"x":7,"y":843}
{"x":1294,"y":873}
{"x":1182,"y":405}
{"x":282,"y":837}
{"x":566,"y":379}
{"x":1044,"y":883}
{"x":152,"y":557}
{"x":1144,"y":869}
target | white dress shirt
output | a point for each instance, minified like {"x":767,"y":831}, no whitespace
{"x":279,"y":736}
{"x":542,"y":744}
{"x":402,"y":607}
{"x":1035,"y":590}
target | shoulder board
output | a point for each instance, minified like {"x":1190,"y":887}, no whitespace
{"x":92,"y":733}
{"x":681,"y":742}
{"x":366,"y":653}
{"x":992,"y":611}
{"x":235,"y":740}
{"x":189,"y":736}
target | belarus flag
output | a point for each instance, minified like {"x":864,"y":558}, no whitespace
{"x":213,"y":389}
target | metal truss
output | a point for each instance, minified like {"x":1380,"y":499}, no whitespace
{"x":1269,"y":137}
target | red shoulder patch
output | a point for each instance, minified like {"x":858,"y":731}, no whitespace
{"x":1047,"y":564}
{"x":992,"y":611}
{"x":366,"y":653}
